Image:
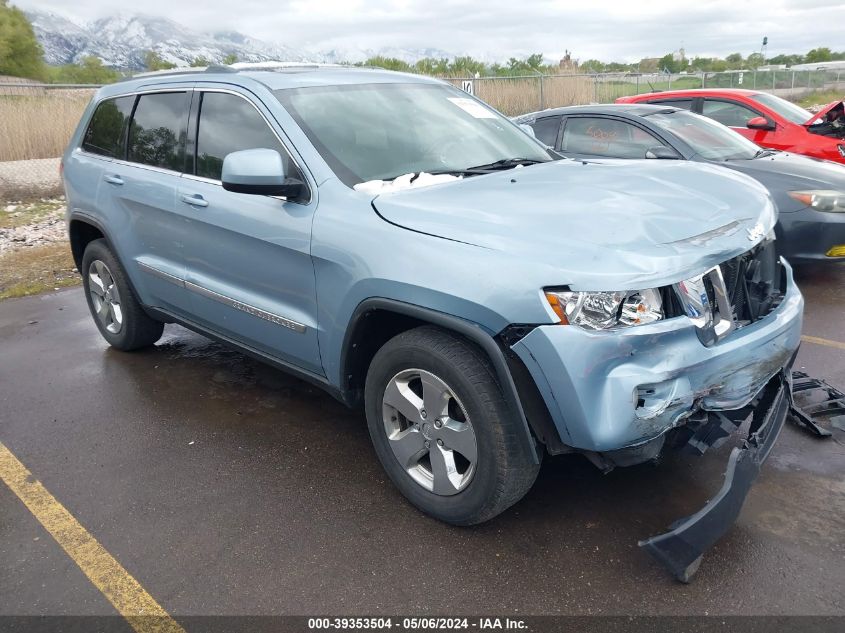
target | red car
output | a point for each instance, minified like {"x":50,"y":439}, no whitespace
{"x":764,"y":118}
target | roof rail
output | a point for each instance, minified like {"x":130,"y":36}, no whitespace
{"x":182,"y":71}
{"x":282,"y":65}
{"x":236,"y":67}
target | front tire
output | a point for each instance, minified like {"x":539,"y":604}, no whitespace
{"x":114,"y":307}
{"x":442,"y":429}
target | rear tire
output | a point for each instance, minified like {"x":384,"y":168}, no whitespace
{"x":115,"y":308}
{"x":442,"y":428}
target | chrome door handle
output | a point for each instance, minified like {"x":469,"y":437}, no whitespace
{"x":114,"y":179}
{"x":195,"y":200}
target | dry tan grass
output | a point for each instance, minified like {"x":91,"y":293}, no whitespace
{"x":39,"y":126}
{"x":36,"y":269}
{"x":513,"y":96}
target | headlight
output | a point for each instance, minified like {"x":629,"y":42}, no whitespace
{"x":606,"y":310}
{"x":821,"y":199}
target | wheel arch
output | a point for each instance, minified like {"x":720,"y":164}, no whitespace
{"x":377,"y":320}
{"x":84,"y":229}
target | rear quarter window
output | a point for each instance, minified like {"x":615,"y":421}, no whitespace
{"x":107,"y":130}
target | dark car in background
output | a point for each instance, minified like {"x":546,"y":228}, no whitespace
{"x":809,"y":193}
{"x":766,"y":119}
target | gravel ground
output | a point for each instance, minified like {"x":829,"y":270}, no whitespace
{"x":27,"y":179}
{"x":47,"y":227}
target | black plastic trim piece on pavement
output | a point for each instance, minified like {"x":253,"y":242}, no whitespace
{"x":833,"y":404}
{"x":681,"y":549}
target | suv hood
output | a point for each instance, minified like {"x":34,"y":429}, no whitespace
{"x":610,"y":225}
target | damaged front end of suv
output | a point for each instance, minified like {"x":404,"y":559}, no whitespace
{"x":625,"y":375}
{"x":676,"y":324}
{"x":657,"y":383}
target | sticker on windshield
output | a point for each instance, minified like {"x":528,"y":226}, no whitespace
{"x":473,"y":108}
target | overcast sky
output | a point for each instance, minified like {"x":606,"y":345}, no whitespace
{"x":606,"y":30}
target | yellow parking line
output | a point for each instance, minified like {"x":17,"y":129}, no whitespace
{"x":139,"y":608}
{"x":823,"y":341}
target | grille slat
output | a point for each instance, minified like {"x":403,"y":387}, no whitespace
{"x":754,"y":282}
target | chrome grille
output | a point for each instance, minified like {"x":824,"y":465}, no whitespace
{"x":733,"y":294}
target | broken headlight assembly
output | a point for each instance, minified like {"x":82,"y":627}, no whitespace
{"x":606,"y":310}
{"x":821,"y":199}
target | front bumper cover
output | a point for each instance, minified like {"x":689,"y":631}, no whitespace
{"x":680,"y":550}
{"x":613,"y":390}
{"x":808,"y":235}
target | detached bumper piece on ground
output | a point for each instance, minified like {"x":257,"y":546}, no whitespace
{"x":814,"y":397}
{"x":680,"y":550}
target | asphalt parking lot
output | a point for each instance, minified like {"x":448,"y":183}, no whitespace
{"x":226,"y":487}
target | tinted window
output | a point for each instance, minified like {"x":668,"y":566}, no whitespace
{"x":606,"y":137}
{"x":158,"y":130}
{"x":107,"y":130}
{"x":728,"y":112}
{"x":545,"y":130}
{"x":686,"y":104}
{"x":229,"y":124}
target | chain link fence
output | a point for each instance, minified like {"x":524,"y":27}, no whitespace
{"x":37,"y":120}
{"x":518,"y":95}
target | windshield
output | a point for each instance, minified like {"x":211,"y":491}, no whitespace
{"x":707,"y":138}
{"x":381,"y":131}
{"x":786,"y":109}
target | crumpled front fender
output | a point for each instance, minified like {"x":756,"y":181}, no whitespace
{"x":616,"y":389}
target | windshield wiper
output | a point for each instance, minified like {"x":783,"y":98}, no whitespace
{"x":505,"y":163}
{"x":478,"y":170}
{"x":766,"y":151}
{"x":450,"y":172}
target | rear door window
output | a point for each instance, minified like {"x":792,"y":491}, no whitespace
{"x":106,"y":132}
{"x":613,"y":138}
{"x":158,"y":130}
{"x":728,"y":113}
{"x":228,"y":123}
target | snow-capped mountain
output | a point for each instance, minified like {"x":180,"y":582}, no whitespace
{"x":121,"y":41}
{"x":352,"y":55}
{"x":60,"y":38}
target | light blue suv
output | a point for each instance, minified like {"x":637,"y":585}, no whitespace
{"x":405,"y":247}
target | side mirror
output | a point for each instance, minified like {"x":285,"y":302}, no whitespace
{"x":759,"y":123}
{"x":259,"y":172}
{"x":661,"y":152}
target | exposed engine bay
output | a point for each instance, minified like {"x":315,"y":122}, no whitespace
{"x":832,"y":123}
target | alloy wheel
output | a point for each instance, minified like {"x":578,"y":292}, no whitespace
{"x":105,"y":296}
{"x":429,"y":431}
